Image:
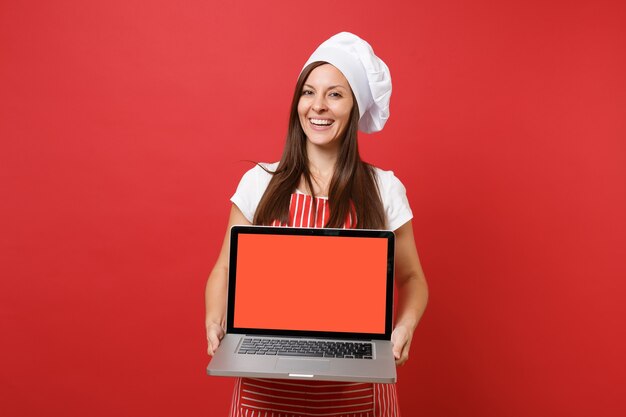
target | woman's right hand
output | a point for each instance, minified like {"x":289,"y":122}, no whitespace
{"x":217,"y":287}
{"x":214,"y":333}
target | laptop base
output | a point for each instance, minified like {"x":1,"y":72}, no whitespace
{"x":381,"y":370}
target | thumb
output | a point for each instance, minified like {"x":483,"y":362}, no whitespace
{"x":398,"y":340}
{"x":213,"y":339}
{"x":213,"y":344}
{"x":396,"y":351}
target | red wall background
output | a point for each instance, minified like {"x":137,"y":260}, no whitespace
{"x":125,"y":126}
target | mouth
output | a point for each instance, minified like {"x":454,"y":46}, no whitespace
{"x":321,"y":122}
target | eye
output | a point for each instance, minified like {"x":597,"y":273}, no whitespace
{"x":307,"y":92}
{"x":335,"y":94}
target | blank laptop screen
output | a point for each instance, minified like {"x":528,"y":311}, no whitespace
{"x":311,"y":283}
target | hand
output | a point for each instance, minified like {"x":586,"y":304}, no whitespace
{"x":214,"y":333}
{"x":401,"y":342}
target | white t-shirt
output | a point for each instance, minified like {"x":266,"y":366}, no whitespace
{"x":392,"y":193}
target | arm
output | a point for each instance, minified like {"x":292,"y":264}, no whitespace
{"x":216,"y":287}
{"x":412,"y":292}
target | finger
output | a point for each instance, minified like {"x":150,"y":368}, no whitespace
{"x":402,"y":359}
{"x":213,"y":345}
{"x":400,"y":349}
{"x":404,"y":356}
{"x":214,"y":342}
{"x":397,"y":353}
{"x":398,"y":346}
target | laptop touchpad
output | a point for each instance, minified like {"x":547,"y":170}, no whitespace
{"x":301,"y":365}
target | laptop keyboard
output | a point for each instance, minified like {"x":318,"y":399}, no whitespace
{"x":305,"y":348}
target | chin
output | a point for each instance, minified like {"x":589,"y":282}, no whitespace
{"x":323,"y":138}
{"x":321,"y":141}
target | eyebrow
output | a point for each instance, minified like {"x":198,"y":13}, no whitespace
{"x":329,"y":88}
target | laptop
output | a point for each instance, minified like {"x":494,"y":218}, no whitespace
{"x":308,"y":304}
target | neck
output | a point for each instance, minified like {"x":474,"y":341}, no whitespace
{"x":322,"y":166}
{"x":322,"y":160}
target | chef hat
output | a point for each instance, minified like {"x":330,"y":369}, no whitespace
{"x":367,"y":74}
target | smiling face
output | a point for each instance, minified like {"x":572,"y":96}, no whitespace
{"x":324,"y":106}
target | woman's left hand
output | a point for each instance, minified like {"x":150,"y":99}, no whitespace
{"x":401,"y":341}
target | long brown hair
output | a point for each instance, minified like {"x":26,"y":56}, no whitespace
{"x":353,"y":185}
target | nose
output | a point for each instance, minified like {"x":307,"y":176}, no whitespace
{"x":319,"y":105}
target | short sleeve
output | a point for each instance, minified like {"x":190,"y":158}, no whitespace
{"x":395,"y":202}
{"x":251,"y":188}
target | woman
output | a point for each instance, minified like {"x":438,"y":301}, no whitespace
{"x":343,"y":87}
